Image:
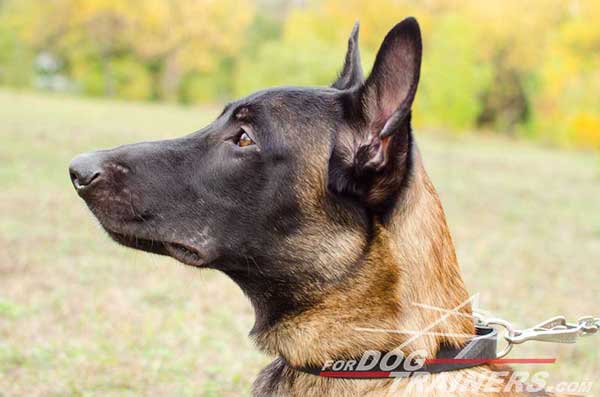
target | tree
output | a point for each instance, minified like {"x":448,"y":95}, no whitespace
{"x":165,"y":38}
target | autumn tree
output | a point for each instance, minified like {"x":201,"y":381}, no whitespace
{"x":133,"y":48}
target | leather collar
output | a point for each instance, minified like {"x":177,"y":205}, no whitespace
{"x":377,"y":365}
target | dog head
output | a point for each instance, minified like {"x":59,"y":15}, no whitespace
{"x":281,"y":190}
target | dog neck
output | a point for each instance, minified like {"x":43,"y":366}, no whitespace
{"x":408,"y":264}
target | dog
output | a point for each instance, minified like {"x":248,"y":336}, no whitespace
{"x":316,"y":203}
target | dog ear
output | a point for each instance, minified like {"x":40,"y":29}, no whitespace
{"x":371,"y":157}
{"x":352,"y":74}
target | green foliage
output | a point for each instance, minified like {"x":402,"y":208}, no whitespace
{"x":89,"y":77}
{"x":123,"y":77}
{"x":131,"y":49}
{"x":453,"y":77}
{"x":132,"y":79}
{"x":568,"y":97}
{"x":486,"y":64}
{"x":207,"y":87}
{"x":303,"y":63}
{"x":16,"y":60}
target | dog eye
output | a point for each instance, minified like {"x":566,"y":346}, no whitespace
{"x":244,"y":139}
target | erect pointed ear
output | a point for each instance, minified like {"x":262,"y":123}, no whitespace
{"x":352,"y":74}
{"x":371,"y":157}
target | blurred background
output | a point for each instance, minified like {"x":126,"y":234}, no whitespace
{"x":489,"y":65}
{"x":507,"y":117}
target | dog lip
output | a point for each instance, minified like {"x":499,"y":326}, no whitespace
{"x":184,"y":253}
{"x":132,"y":239}
{"x":135,"y":242}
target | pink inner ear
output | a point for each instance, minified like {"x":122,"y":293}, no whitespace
{"x":385,"y":106}
{"x":395,"y":79}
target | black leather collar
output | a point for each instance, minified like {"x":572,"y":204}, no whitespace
{"x":477,"y":351}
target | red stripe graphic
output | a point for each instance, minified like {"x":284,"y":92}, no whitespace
{"x":355,"y":374}
{"x":491,"y":360}
{"x":387,"y":374}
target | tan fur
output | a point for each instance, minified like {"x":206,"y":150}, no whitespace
{"x":410,"y":260}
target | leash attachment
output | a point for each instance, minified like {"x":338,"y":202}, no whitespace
{"x":553,"y":330}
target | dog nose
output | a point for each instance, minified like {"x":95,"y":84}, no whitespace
{"x":85,"y":169}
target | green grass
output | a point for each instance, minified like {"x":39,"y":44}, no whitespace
{"x":81,"y":316}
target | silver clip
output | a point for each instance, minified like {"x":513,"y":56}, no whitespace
{"x":555,"y":330}
{"x":589,"y":325}
{"x":552,"y":322}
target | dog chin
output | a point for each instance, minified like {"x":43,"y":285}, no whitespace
{"x":183,"y":253}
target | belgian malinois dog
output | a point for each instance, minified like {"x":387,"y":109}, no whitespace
{"x":316,"y":203}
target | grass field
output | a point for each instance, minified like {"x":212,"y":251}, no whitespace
{"x":81,"y":316}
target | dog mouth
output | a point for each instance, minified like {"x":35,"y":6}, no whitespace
{"x":181,"y":252}
{"x":185,"y":254}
